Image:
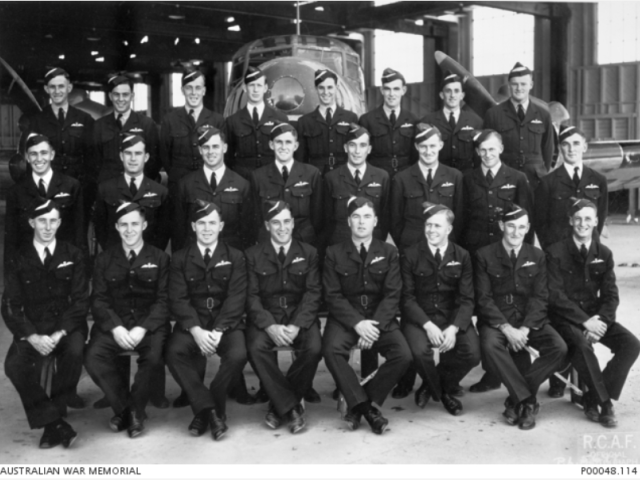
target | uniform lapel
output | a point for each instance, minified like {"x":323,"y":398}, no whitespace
{"x":294,"y":252}
{"x":295,"y":175}
{"x":416,"y":173}
{"x":439,"y":177}
{"x":375,"y":251}
{"x":347,"y":178}
{"x":502,"y":255}
{"x":123,"y":188}
{"x":353,"y":252}
{"x":196,"y":256}
{"x":275,"y":176}
{"x":509,"y":110}
{"x":145,"y":188}
{"x":479,"y":178}
{"x":269,"y":253}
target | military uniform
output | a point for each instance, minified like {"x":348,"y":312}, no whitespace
{"x":579,"y":289}
{"x":391,"y":145}
{"x":128,"y":295}
{"x":528,"y":145}
{"x":248,"y":143}
{"x":42,"y":300}
{"x":340,"y":186}
{"x":458,"y":151}
{"x":302,"y":191}
{"x":286,"y":293}
{"x":321,"y":144}
{"x":481,"y":201}
{"x":551,"y":211}
{"x":212,"y":297}
{"x":107,"y":141}
{"x":232,"y":195}
{"x":409,"y":189}
{"x":443,"y":294}
{"x":353,"y":292}
{"x":517,"y":296}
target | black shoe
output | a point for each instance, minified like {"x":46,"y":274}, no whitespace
{"x":451,"y":404}
{"x":511,"y":412}
{"x":590,"y":406}
{"x":335,"y":394}
{"x":312,"y":396}
{"x":120,"y":421}
{"x":261,"y":396}
{"x":456,"y":391}
{"x":199,"y":423}
{"x":136,"y":424}
{"x":422,"y":396}
{"x":217,"y":425}
{"x":556,"y":387}
{"x":401,"y":391}
{"x":245,"y":398}
{"x":296,"y":419}
{"x":102,"y":403}
{"x":353,"y":419}
{"x":607,"y":416}
{"x":67,"y":434}
{"x":161,"y":402}
{"x":376,"y":421}
{"x":181,"y":401}
{"x":272,"y":419}
{"x":50,"y":437}
{"x":528,"y":414}
{"x":484,"y":385}
{"x":75,"y":401}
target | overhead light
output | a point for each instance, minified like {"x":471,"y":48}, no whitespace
{"x":94,"y":53}
{"x":93,"y":39}
{"x":48,"y":35}
{"x":319,"y":9}
{"x":420,"y":22}
{"x":61,"y":57}
{"x":230,"y":19}
{"x":177,"y":41}
{"x":99,"y":59}
{"x":125,"y":43}
{"x":177,"y":17}
{"x":295,"y":20}
{"x":133,"y":55}
{"x":145,"y":39}
{"x":234,"y":28}
{"x":196,"y":62}
{"x":198,"y":41}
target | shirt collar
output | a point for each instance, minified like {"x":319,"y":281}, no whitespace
{"x":137,"y":180}
{"x":196,"y":111}
{"x":280,"y":164}
{"x":276,"y":247}
{"x":494,"y":170}
{"x":367,"y":244}
{"x":40,"y":248}
{"x":447,"y":113}
{"x":65,"y":109}
{"x":323,"y":110}
{"x":362,"y":168}
{"x":425,"y":170}
{"x":219,"y":172}
{"x":260,"y":108}
{"x":127,"y":250}
{"x":587,"y":244}
{"x":203,"y":249}
{"x":571,"y":169}
{"x":125,"y":116}
{"x":387,"y":111}
{"x":443,"y":249}
{"x":525,"y":105}
{"x":46,"y":178}
{"x":508,"y":249}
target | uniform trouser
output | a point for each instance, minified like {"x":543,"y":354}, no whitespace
{"x":285,"y":392}
{"x":101,"y":366}
{"x":605,"y":383}
{"x":337,"y":343}
{"x":185,"y":361}
{"x":23,"y":366}
{"x":497,"y":356}
{"x":454,"y":364}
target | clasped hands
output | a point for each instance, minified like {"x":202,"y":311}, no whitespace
{"x":128,"y":339}
{"x":206,"y":340}
{"x":45,"y":344}
{"x":443,"y":340}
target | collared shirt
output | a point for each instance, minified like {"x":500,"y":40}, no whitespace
{"x":65,"y":109}
{"x":125,"y":116}
{"x":447,"y":113}
{"x":387,"y":111}
{"x":128,"y":249}
{"x":525,"y":105}
{"x":219,"y":173}
{"x":578,"y":243}
{"x":323,"y":110}
{"x":362,"y":168}
{"x":288,"y":164}
{"x":494,"y":170}
{"x":260,"y":108}
{"x":137,"y":180}
{"x":425,"y":170}
{"x":571,"y":169}
{"x":40,"y":249}
{"x":46,"y":178}
{"x":276,"y":247}
{"x":508,"y":249}
{"x":196,"y":111}
{"x":442,"y":249}
{"x":203,"y":249}
{"x":367,"y":244}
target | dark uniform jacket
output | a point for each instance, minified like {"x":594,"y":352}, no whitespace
{"x":44,"y":300}
{"x":339,"y":187}
{"x":528,"y":143}
{"x":151,"y":195}
{"x":72,"y":142}
{"x":504,"y":296}
{"x":283,"y":294}
{"x":321,"y":144}
{"x":580,"y":289}
{"x":302,"y":191}
{"x":107,"y":141}
{"x":179,"y":140}
{"x":23,"y":196}
{"x":355,"y":291}
{"x":249,"y":144}
{"x":552,"y":202}
{"x":441,"y":293}
{"x":232,"y":195}
{"x":409,"y":189}
{"x":392,"y":145}
{"x":131,"y":295}
{"x":481,"y":218}
{"x":211,"y":297}
{"x":458,"y":151}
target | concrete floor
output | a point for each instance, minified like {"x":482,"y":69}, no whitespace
{"x":429,"y":436}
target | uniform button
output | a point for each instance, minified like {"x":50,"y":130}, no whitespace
{"x":431,"y":190}
{"x":133,"y":311}
{"x":215,"y":193}
{"x":453,"y":146}
{"x":521,"y":138}
{"x":490,"y":192}
{"x":195,"y":144}
{"x":285,"y":282}
{"x":331,"y":141}
{"x":286,"y":189}
{"x":365,"y":282}
{"x":587,"y":280}
{"x":521,"y":151}
{"x":209,"y":287}
{"x":131,"y":272}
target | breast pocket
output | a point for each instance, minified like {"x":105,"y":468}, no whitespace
{"x":528,"y":275}
{"x":147,"y":277}
{"x":76,"y":132}
{"x":267,"y":276}
{"x":452,"y":271}
{"x":499,"y":278}
{"x":349,"y":279}
{"x":380,"y":140}
{"x":314,"y":138}
{"x":300,"y":198}
{"x":592,"y":193}
{"x":64,"y":274}
{"x":115,"y":278}
{"x":231,"y":198}
{"x":413,"y":203}
{"x":507,"y":194}
{"x":445,"y":192}
{"x":373,"y":191}
{"x":378,"y":271}
{"x":270,"y":193}
{"x":222,"y":274}
{"x":297,"y":273}
{"x":597,"y":270}
{"x":150,"y":202}
{"x":340,"y":199}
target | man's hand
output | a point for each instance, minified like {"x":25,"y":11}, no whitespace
{"x":367,"y":330}
{"x":217,"y":336}
{"x":57,"y":336}
{"x":596,"y":326}
{"x":516,"y":337}
{"x":204,"y":339}
{"x":591,"y":337}
{"x":363,"y":344}
{"x":137,"y":334}
{"x":292,"y":332}
{"x":279,"y":335}
{"x":433,"y":333}
{"x":123,"y":338}
{"x":43,"y":344}
{"x":449,"y":340}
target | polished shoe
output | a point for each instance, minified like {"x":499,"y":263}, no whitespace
{"x":217,"y":425}
{"x":102,"y":403}
{"x":312,"y":396}
{"x":456,"y":391}
{"x":199,"y":423}
{"x":335,"y":394}
{"x":511,"y":412}
{"x":120,"y":421}
{"x":353,"y":420}
{"x":245,"y":398}
{"x":67,"y":434}
{"x":590,"y":406}
{"x":181,"y":401}
{"x":483,"y":386}
{"x":528,"y":414}
{"x":607,"y":416}
{"x":136,"y":424}
{"x":451,"y":404}
{"x":401,"y":391}
{"x":296,"y":419}
{"x":161,"y":402}
{"x":422,"y":396}
{"x":50,"y":437}
{"x":272,"y":419}
{"x":75,"y":401}
{"x":376,"y":421}
{"x":556,"y":387}
{"x":261,"y":396}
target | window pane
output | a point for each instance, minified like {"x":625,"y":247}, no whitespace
{"x":402,"y":52}
{"x":618,"y":39}
{"x":99,"y":97}
{"x":141,"y":99}
{"x":177,"y":99}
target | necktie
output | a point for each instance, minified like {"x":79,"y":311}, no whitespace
{"x":133,"y":188}
{"x":583,"y":251}
{"x":207,"y":256}
{"x":256,"y":118}
{"x":285,"y":173}
{"x":47,"y":257}
{"x":192,"y":118}
{"x":328,"y":118}
{"x":438,"y":256}
{"x":489,"y":177}
{"x":576,"y":178}
{"x":61,"y":116}
{"x":132,"y":257}
{"x":521,"y":113}
{"x":42,"y":191}
{"x":363,"y":252}
{"x":357,"y":177}
{"x":452,"y":121}
{"x":429,"y":177}
{"x":214,"y":182}
{"x":392,"y":118}
{"x":281,"y":255}
{"x":514,"y":259}
{"x":119,"y":119}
